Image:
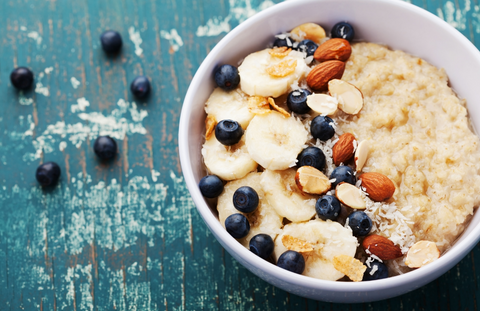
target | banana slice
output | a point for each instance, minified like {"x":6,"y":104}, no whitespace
{"x":231,"y":105}
{"x":263,"y":220}
{"x":256,"y":79}
{"x":227,"y":162}
{"x":275,"y":141}
{"x":284,"y":196}
{"x":327,"y":238}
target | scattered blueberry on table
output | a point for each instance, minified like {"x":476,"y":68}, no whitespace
{"x":292,"y":261}
{"x":48,"y":174}
{"x":343,"y":30}
{"x":105,"y":147}
{"x":227,"y":77}
{"x":297,"y":101}
{"x":111,"y":41}
{"x":360,"y":223}
{"x":376,"y":271}
{"x":21,"y":78}
{"x":322,"y":128}
{"x":262,"y":245}
{"x":328,"y":207}
{"x":237,"y":225}
{"x":343,"y":174}
{"x":312,"y":156}
{"x":211,"y":186}
{"x":228,"y":132}
{"x":245,"y":199}
{"x":140,"y":87}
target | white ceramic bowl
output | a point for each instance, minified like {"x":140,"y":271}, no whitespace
{"x":399,"y":25}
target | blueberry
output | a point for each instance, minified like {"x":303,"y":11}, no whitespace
{"x":245,"y":199}
{"x":228,"y":132}
{"x":380,"y":271}
{"x":322,"y":128}
{"x":343,"y":30}
{"x":297,"y":101}
{"x":237,"y":225}
{"x":227,"y":77}
{"x":292,"y":261}
{"x":21,"y":78}
{"x":111,"y":41}
{"x":328,"y":207}
{"x":262,"y":245}
{"x":343,"y":174}
{"x":360,"y":223}
{"x":105,"y":147}
{"x":48,"y":173}
{"x":283,"y":41}
{"x":312,"y":156}
{"x":140,"y":86}
{"x":307,"y":46}
{"x":211,"y":186}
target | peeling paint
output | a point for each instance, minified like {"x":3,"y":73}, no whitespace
{"x":82,"y":103}
{"x":455,"y":17}
{"x":75,"y":83}
{"x":173,"y":38}
{"x":136,"y":39}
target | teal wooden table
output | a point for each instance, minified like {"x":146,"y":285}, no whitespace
{"x":125,"y":235}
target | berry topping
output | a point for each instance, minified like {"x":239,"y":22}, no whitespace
{"x":360,"y":223}
{"x":375,"y":271}
{"x":343,"y":174}
{"x":262,"y":245}
{"x":292,"y":261}
{"x":237,"y":225}
{"x":328,"y":207}
{"x":343,"y":30}
{"x":307,"y":46}
{"x":47,"y":174}
{"x":283,"y":41}
{"x":105,"y":147}
{"x":140,"y":86}
{"x":322,"y":128}
{"x":245,"y":199}
{"x":312,"y":156}
{"x":21,"y":78}
{"x":228,"y":132}
{"x":297,"y":101}
{"x":211,"y":186}
{"x":111,"y":41}
{"x":226,"y":77}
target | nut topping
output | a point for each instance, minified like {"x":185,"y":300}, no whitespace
{"x":350,"y":195}
{"x":311,"y":180}
{"x":361,"y":154}
{"x":309,"y":31}
{"x":378,"y":186}
{"x":421,"y":253}
{"x":350,"y":98}
{"x":344,"y":148}
{"x":322,"y":103}
{"x":333,"y":49}
{"x":381,"y":247}
{"x":318,"y":78}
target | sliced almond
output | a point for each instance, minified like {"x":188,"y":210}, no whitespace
{"x":210,"y":123}
{"x":283,"y":68}
{"x":351,"y":267}
{"x":322,"y":103}
{"x":350,"y":195}
{"x":422,"y":253}
{"x":295,"y":244}
{"x":258,"y":105}
{"x":272,"y":103}
{"x":311,"y":180}
{"x":350,"y":98}
{"x":309,"y":31}
{"x":361,"y":154}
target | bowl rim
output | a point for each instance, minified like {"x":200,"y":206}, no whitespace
{"x":449,"y":258}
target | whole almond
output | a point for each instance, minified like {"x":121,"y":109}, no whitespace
{"x":318,"y":78}
{"x":344,"y":149}
{"x":378,"y":186}
{"x":333,"y":49}
{"x":381,"y":247}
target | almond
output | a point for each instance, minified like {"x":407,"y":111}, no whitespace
{"x":361,"y":154}
{"x":310,"y":31}
{"x":378,"y":186}
{"x":421,"y":253}
{"x":311,"y":180}
{"x":318,"y":78}
{"x":344,"y":149}
{"x":333,"y":49}
{"x":350,"y":98}
{"x":322,"y":103}
{"x":381,"y":247}
{"x":350,"y":195}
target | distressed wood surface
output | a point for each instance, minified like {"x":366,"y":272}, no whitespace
{"x":125,"y":235}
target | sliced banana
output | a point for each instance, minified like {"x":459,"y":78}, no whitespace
{"x":327,"y":238}
{"x":263,"y":220}
{"x":255,"y":79}
{"x":275,"y":141}
{"x":231,"y":105}
{"x":284,"y":196}
{"x":227,"y":162}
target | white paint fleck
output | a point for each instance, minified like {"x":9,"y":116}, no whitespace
{"x":82,"y":103}
{"x":455,"y":17}
{"x":173,"y":38}
{"x":35,"y":36}
{"x":75,"y":83}
{"x":40,"y":88}
{"x":240,"y":10}
{"x":136,"y":39}
{"x":62,"y":145}
{"x":155,"y":175}
{"x":48,"y":70}
{"x":23,"y":100}
{"x":23,"y":28}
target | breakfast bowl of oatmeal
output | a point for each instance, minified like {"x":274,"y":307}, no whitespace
{"x":330,"y":147}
